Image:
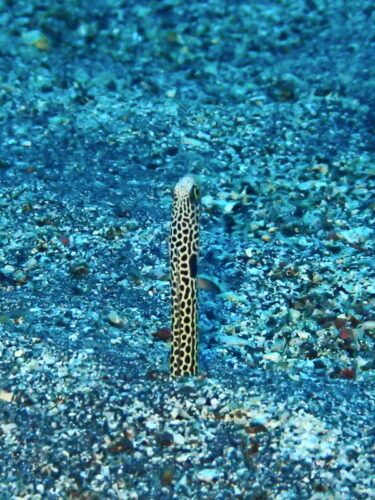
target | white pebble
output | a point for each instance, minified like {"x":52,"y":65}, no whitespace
{"x":208,"y":475}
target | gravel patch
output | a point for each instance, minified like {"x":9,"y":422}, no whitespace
{"x":103,"y":108}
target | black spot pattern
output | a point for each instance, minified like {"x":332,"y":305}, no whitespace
{"x":184,"y":242}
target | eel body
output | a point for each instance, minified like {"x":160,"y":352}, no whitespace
{"x":183,"y":247}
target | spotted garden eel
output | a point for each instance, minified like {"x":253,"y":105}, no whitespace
{"x":183,"y":247}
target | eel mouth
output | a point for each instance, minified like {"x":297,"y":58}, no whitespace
{"x":185,"y":186}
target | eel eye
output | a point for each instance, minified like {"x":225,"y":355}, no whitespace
{"x":194,"y":195}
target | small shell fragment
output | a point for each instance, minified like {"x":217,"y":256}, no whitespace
{"x":6,"y":396}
